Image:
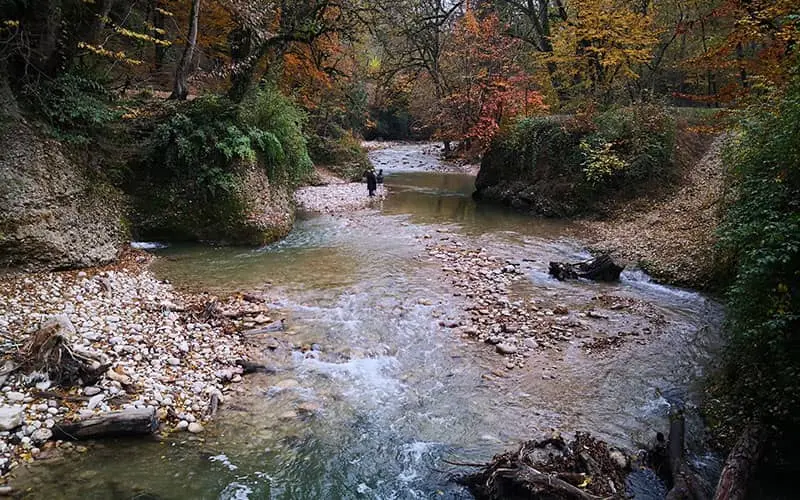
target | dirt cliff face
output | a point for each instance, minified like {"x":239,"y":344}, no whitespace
{"x":53,"y":213}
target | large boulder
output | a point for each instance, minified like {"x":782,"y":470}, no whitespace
{"x":255,"y":211}
{"x":54,"y":212}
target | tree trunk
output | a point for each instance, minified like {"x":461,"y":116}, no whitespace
{"x":133,"y":422}
{"x":740,"y":465}
{"x":159,"y":51}
{"x":243,"y":59}
{"x":685,"y":483}
{"x":180,"y":91}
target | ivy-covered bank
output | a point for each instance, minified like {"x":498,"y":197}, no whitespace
{"x":760,"y":381}
{"x":219,"y":171}
{"x":568,"y":165}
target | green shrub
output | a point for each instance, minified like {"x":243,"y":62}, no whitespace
{"x":280,"y":123}
{"x":542,"y":145}
{"x":190,"y":179}
{"x":203,"y":141}
{"x":75,"y":107}
{"x":629,"y":145}
{"x":761,"y":233}
{"x":341,"y":153}
{"x":565,"y":165}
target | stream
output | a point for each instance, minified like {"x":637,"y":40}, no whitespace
{"x":387,"y":393}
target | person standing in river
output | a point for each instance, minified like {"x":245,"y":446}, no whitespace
{"x":379,"y":180}
{"x":372,"y":181}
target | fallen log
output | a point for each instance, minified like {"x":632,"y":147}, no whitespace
{"x":132,"y":422}
{"x":740,"y":464}
{"x":601,"y":268}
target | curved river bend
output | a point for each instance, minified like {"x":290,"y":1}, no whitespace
{"x":394,"y":393}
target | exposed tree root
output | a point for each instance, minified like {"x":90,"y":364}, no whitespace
{"x":51,"y":350}
{"x":583,"y":469}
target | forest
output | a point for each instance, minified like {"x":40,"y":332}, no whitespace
{"x":196,"y":121}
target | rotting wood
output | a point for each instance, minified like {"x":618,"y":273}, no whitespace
{"x":740,"y":464}
{"x":276,"y":326}
{"x":601,"y":268}
{"x":686,"y":485}
{"x":131,"y":422}
{"x":249,"y":367}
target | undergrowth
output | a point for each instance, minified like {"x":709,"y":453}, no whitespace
{"x":760,"y":381}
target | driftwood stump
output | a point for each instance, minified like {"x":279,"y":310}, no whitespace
{"x":601,"y":268}
{"x":133,"y":422}
{"x":583,"y":469}
{"x":52,"y":349}
{"x":686,"y":484}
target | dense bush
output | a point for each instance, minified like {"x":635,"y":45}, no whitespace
{"x":279,"y":124}
{"x":629,"y":145}
{"x":613,"y":148}
{"x":761,"y":233}
{"x":190,"y":181}
{"x":341,"y":152}
{"x":75,"y":107}
{"x":562,"y":165}
{"x":203,"y":142}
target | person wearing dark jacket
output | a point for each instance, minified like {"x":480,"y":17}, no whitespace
{"x":379,"y":179}
{"x":372,"y":181}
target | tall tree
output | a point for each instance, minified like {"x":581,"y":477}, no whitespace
{"x":180,"y":90}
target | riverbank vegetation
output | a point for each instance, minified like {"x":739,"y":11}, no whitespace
{"x":761,"y":235}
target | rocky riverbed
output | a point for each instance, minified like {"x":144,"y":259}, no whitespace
{"x":337,"y":197}
{"x":172,"y":352}
{"x":502,"y":313}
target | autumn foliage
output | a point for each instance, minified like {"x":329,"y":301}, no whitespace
{"x":487,"y":83}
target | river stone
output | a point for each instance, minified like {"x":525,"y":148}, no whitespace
{"x":195,"y":427}
{"x":531,"y":343}
{"x":288,"y":415}
{"x":10,"y":417}
{"x":182,"y":425}
{"x":94,"y":401}
{"x":40,"y":436}
{"x":560,"y":309}
{"x":15,"y":397}
{"x":288,"y":383}
{"x":92,"y":391}
{"x":503,"y":348}
{"x":619,"y":458}
{"x":309,"y":408}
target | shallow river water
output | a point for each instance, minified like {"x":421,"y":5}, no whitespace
{"x":394,"y":393}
